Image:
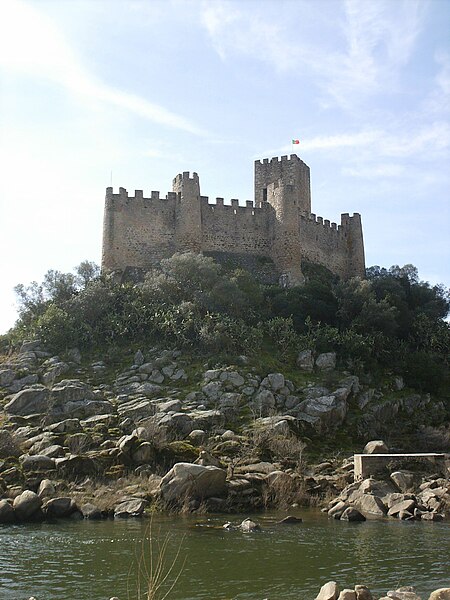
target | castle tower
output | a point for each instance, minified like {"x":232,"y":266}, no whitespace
{"x":111,"y":259}
{"x":188,"y":220}
{"x":290,"y":171}
{"x":352,"y":227}
{"x":286,"y":247}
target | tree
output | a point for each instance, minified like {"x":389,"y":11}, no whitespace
{"x":86,"y":271}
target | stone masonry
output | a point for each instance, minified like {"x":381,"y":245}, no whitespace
{"x":269,"y":236}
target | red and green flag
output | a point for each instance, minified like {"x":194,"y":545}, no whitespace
{"x":296,"y":141}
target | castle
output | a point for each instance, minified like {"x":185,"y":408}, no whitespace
{"x":270,"y":236}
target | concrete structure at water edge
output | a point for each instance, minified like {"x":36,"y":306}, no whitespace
{"x":269,"y":236}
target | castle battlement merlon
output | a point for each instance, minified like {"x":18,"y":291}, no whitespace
{"x":278,"y":225}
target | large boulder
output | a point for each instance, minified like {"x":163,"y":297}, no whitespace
{"x":404,"y":480}
{"x":325,"y":412}
{"x":32,"y":400}
{"x":370,"y":506}
{"x":26,"y":505}
{"x":305,"y":360}
{"x":376,"y":447}
{"x":363,"y":593}
{"x":59,"y":507}
{"x":189,"y":480}
{"x":329,"y":591}
{"x":71,"y":390}
{"x":352,"y":514}
{"x":6,"y":512}
{"x":37,"y":462}
{"x":133,"y":507}
{"x":440,"y":594}
{"x":326,"y":361}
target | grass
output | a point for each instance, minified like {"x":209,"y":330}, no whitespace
{"x":157,"y":573}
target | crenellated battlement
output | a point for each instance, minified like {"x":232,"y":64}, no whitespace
{"x":139,"y":196}
{"x":185,"y":176}
{"x":293,"y":158}
{"x":277,"y":225}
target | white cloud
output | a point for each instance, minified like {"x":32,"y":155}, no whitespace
{"x":31,"y":43}
{"x":367,"y":172}
{"x":371,"y":41}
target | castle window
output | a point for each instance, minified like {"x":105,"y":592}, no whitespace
{"x":264,"y":194}
{"x":235,"y":211}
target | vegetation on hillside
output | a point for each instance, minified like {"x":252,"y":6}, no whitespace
{"x":389,"y":320}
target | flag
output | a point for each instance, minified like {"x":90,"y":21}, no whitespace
{"x":296,"y":141}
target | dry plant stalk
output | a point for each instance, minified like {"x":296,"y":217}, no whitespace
{"x":156,"y":576}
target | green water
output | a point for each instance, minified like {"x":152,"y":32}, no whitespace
{"x":91,"y":560}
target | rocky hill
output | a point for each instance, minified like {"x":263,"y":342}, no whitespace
{"x":166,"y":429}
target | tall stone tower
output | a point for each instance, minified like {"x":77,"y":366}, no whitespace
{"x":188,"y":225}
{"x":289,"y":171}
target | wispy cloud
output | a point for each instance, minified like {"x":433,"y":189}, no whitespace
{"x":378,"y":144}
{"x":373,"y":171}
{"x":31,"y":43}
{"x":372,"y":41}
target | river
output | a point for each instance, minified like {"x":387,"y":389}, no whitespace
{"x":82,"y":560}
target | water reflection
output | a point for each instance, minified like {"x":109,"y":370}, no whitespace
{"x":51,"y":561}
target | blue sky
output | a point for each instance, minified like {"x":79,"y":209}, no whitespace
{"x":147,"y":89}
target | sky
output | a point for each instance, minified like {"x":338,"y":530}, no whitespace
{"x":134,"y":92}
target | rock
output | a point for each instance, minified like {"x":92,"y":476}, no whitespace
{"x":325,"y":411}
{"x":37,"y":463}
{"x":32,"y":400}
{"x":26,"y":505}
{"x":347,"y":595}
{"x":405,"y":505}
{"x":59,"y":507}
{"x":7,"y":376}
{"x":403,"y":593}
{"x":290,"y":520}
{"x":404,"y":480}
{"x":46,"y":489}
{"x":371,"y":505}
{"x":136,"y":410}
{"x":197,"y":436}
{"x":440,"y":594}
{"x":187,"y":479}
{"x":431,"y":516}
{"x":326,"y":361}
{"x":66,"y":426}
{"x":248,"y":526}
{"x":130,"y":508}
{"x":144,"y":454}
{"x":329,"y":591}
{"x":276,"y":381}
{"x":90,"y":511}
{"x":362,"y":592}
{"x":376,"y":447}
{"x":76,"y":465}
{"x":206,"y":459}
{"x":53,"y":451}
{"x":139,"y":358}
{"x":71,"y":390}
{"x":56,"y":370}
{"x":149,"y":389}
{"x":30,"y":346}
{"x":232,"y":378}
{"x":351,"y":514}
{"x":74,"y":355}
{"x":337,"y":510}
{"x":305,"y":361}
{"x":264,"y":403}
{"x":6,"y":512}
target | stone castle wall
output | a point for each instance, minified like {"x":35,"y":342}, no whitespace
{"x":278,"y":228}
